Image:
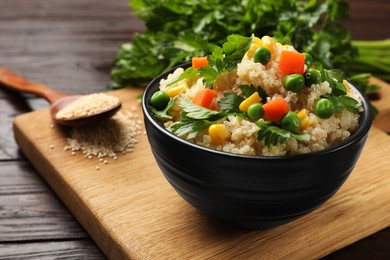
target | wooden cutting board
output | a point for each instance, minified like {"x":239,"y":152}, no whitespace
{"x":131,"y":211}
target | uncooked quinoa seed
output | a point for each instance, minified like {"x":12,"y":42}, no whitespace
{"x":116,"y":135}
{"x":88,"y":105}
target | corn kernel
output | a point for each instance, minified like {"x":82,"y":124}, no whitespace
{"x":269,"y":43}
{"x":348,"y":89}
{"x":257,"y":42}
{"x":303,"y":113}
{"x":218,"y":133}
{"x":252,"y":99}
{"x":303,"y":116}
{"x":305,"y":123}
{"x":174,"y":91}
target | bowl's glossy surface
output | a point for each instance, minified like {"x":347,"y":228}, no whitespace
{"x":254,"y":192}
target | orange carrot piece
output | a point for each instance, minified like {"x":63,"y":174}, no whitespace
{"x":275,"y":109}
{"x":204,"y":98}
{"x":198,"y":62}
{"x":291,"y":62}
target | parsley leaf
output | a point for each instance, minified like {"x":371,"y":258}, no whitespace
{"x":344,"y":102}
{"x":248,"y":90}
{"x":181,"y":128}
{"x":194,"y":119}
{"x":188,"y":73}
{"x":339,"y":90}
{"x":163,"y":114}
{"x":209,"y":75}
{"x":333,"y":76}
{"x":230,"y":103}
{"x":349,"y":103}
{"x":187,"y":127}
{"x":226,"y":58}
{"x":216,"y":59}
{"x":272,"y":134}
{"x":196,"y":112}
{"x":234,"y":49}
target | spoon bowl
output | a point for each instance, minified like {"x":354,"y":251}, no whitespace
{"x":81,"y":120}
{"x":57,"y":100}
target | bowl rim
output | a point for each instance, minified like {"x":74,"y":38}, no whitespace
{"x":365,"y":122}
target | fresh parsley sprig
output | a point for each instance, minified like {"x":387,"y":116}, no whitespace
{"x":194,"y":119}
{"x":163,"y":114}
{"x":222,"y":59}
{"x":225,"y":59}
{"x":333,"y":76}
{"x":230,"y":103}
{"x":197,"y":112}
{"x":272,"y":134}
{"x":344,"y":102}
{"x":248,"y":90}
{"x":188,"y":127}
{"x":234,"y":49}
{"x":188,"y":73}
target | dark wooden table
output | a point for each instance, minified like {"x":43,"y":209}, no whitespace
{"x":70,"y":46}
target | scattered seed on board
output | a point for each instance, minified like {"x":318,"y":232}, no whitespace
{"x":107,"y":138}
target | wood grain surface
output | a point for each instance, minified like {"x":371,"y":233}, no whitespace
{"x":70,"y":46}
{"x":131,"y":211}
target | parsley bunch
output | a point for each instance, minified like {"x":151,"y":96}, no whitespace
{"x":178,"y":30}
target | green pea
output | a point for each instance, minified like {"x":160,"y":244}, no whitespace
{"x":308,"y":59}
{"x":324,"y":108}
{"x":291,"y":122}
{"x":262,"y":55}
{"x":159,"y":100}
{"x":294,"y":82}
{"x":312,"y":76}
{"x":255,"y":111}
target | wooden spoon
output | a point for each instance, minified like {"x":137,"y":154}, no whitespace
{"x":57,"y":100}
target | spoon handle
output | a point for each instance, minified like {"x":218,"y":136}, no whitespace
{"x":15,"y":82}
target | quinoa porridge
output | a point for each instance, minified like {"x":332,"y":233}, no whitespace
{"x":255,"y":96}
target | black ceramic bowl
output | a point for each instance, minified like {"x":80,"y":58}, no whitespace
{"x":254,"y":192}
